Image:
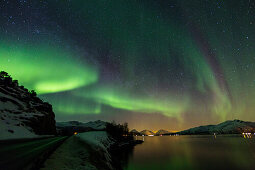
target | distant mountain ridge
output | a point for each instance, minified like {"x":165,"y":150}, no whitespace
{"x":227,"y":127}
{"x":162,"y":132}
{"x":146,"y":132}
{"x":70,"y":127}
{"x":135,"y":132}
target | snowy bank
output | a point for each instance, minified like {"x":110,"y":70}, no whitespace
{"x":100,"y":142}
{"x":88,"y":150}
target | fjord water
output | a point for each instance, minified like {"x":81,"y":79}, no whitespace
{"x":193,"y":152}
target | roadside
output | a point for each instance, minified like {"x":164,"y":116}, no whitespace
{"x":89,"y":150}
{"x":28,"y":153}
{"x":79,"y":153}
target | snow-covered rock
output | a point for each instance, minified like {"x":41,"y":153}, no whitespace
{"x":135,"y":132}
{"x":162,"y":132}
{"x":22,"y":114}
{"x":147,"y":132}
{"x":227,"y":127}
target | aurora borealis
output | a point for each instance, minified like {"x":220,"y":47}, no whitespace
{"x":156,"y":64}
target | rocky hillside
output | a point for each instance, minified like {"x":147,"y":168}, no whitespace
{"x":22,"y":114}
{"x":228,"y":127}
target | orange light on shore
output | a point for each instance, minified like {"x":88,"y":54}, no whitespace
{"x":75,"y":133}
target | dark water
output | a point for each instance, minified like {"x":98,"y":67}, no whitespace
{"x":194,"y":152}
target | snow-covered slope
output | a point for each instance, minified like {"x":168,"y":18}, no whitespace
{"x":162,"y":132}
{"x":22,"y":114}
{"x":99,"y":141}
{"x":135,"y":132}
{"x":76,"y":126}
{"x":147,"y":132}
{"x":228,"y":127}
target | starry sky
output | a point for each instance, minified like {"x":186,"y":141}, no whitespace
{"x":153,"y":63}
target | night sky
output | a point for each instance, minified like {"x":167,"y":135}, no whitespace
{"x":153,"y":63}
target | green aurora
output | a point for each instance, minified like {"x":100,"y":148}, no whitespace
{"x":45,"y":69}
{"x":186,"y":61}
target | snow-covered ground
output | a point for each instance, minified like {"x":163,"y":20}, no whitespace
{"x":96,"y":139}
{"x":8,"y":130}
{"x":74,"y":154}
{"x":70,"y":155}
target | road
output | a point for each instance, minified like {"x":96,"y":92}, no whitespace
{"x":27,"y":154}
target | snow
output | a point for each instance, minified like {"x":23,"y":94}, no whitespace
{"x":231,"y":126}
{"x":7,"y":105}
{"x":14,"y":111}
{"x":73,"y":154}
{"x":8,"y":126}
{"x":147,"y":132}
{"x":70,"y":155}
{"x":161,"y":132}
{"x":97,"y":139}
{"x":134,"y":131}
{"x":98,"y":125}
{"x":100,"y":141}
{"x":11,"y":126}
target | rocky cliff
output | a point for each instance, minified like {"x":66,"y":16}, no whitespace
{"x":22,"y":114}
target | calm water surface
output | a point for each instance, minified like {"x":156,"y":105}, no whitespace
{"x":193,"y":152}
